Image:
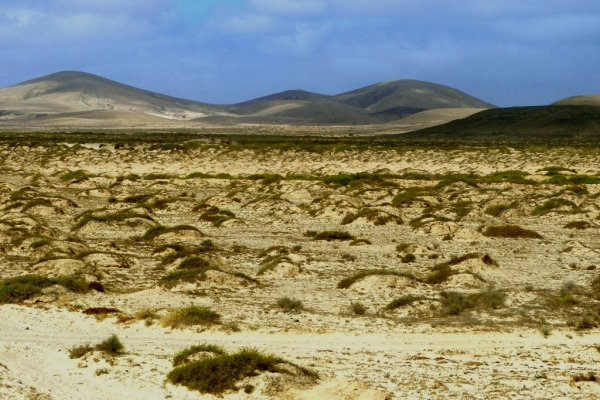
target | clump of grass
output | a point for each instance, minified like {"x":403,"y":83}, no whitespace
{"x":160,"y":230}
{"x":100,"y":310}
{"x":510,"y":231}
{"x":112,"y":346}
{"x":552,"y":204}
{"x":580,"y":225}
{"x":192,"y":315}
{"x":36,"y":202}
{"x":218,"y":374}
{"x":545,"y":331}
{"x":86,"y":218}
{"x":402,"y":302}
{"x":347,"y":282}
{"x":266,"y":179}
{"x":402,"y":247}
{"x":333,"y":235}
{"x":454,"y":303}
{"x":589,"y":377}
{"x":156,"y":175}
{"x":555,"y":170}
{"x":289,"y":304}
{"x":20,"y":288}
{"x":80,"y":351}
{"x":408,"y":258}
{"x":374,"y":215}
{"x":358,"y":308}
{"x":439,"y":274}
{"x":216,"y":216}
{"x":410,"y":195}
{"x":78,"y":176}
{"x":40,"y":243}
{"x":418,"y":222}
{"x":183,"y":356}
{"x":497,"y":209}
{"x":357,"y":242}
{"x":183,"y":251}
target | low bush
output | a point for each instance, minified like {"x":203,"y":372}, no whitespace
{"x":112,"y":346}
{"x":100,"y":310}
{"x":408,"y":258}
{"x":589,"y":377}
{"x":160,"y":230}
{"x":347,"y":282}
{"x":402,"y":302}
{"x":578,"y":225}
{"x":454,"y":303}
{"x":552,"y":204}
{"x":216,"y":216}
{"x":20,"y":288}
{"x":333,"y":235}
{"x":218,"y":374}
{"x":289,"y":304}
{"x":358,"y":308}
{"x":192,"y":315}
{"x":439,"y":274}
{"x":183,"y":356}
{"x":510,"y":231}
{"x":78,"y":175}
{"x":497,"y":209}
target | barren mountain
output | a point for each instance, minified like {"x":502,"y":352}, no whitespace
{"x":80,"y":99}
{"x":591,"y":100}
{"x":68,"y":92}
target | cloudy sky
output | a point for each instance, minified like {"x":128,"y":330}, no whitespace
{"x":520,"y":52}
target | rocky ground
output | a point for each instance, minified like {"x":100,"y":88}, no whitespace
{"x":412,"y":273}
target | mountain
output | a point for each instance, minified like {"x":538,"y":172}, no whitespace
{"x":542,"y":123}
{"x":591,"y":100}
{"x":409,"y":93}
{"x":68,"y":92}
{"x":82,"y":99}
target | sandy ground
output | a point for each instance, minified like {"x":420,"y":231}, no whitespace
{"x":415,"y":351}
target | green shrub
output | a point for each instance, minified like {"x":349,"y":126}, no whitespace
{"x":80,"y":351}
{"x":220,"y":373}
{"x":289,"y":304}
{"x":347,"y":282}
{"x":85,"y":218}
{"x":402,"y":302}
{"x":183,"y":356}
{"x":408,"y":258}
{"x":589,"y":377}
{"x":216,"y":216}
{"x":553,"y":204}
{"x":192,"y":315}
{"x":510,"y":231}
{"x":159,"y":230}
{"x":333,"y":235}
{"x":194,"y":262}
{"x":78,"y":175}
{"x":358,"y":308}
{"x":440,"y":274}
{"x":20,"y":288}
{"x":497,"y":209}
{"x":111,"y":346}
{"x":578,"y":225}
{"x":454,"y":303}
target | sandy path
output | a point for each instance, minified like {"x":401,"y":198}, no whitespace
{"x":34,"y":344}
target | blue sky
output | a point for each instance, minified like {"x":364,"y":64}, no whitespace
{"x":224,"y":51}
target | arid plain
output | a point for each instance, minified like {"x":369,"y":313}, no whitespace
{"x":389,"y":272}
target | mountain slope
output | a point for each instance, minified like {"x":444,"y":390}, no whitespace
{"x":522,"y":123}
{"x":78,"y":91}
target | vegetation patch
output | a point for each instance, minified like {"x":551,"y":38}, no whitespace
{"x":377,"y":217}
{"x":553,"y":204}
{"x":100,"y":310}
{"x":77,"y":176}
{"x":183,"y":251}
{"x":112,"y":346}
{"x":357,"y":242}
{"x":190,"y":316}
{"x":160,"y":230}
{"x":333,"y":235}
{"x":289,"y":304}
{"x":218,"y":374}
{"x":216,"y":216}
{"x":21,"y":288}
{"x":424,"y":219}
{"x":510,"y":231}
{"x":580,"y":225}
{"x":403,"y":301}
{"x":347,"y":282}
{"x":184,"y":355}
{"x":497,"y":209}
{"x":86,"y":218}
{"x":454,"y":303}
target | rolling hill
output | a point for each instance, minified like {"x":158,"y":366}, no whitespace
{"x":67,"y":98}
{"x":590,"y":100}
{"x":541,"y":123}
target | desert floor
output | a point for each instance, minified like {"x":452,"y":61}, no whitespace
{"x":482,"y":309}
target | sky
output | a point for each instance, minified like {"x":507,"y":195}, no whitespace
{"x":509,"y":53}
